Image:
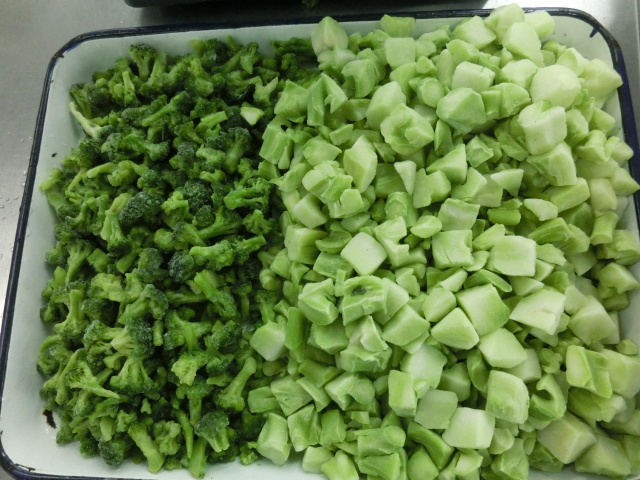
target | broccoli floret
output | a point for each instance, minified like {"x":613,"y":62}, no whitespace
{"x":183,"y":236}
{"x":91,"y":100}
{"x":53,"y":354}
{"x":143,"y":207}
{"x":116,"y":450}
{"x":85,"y":155}
{"x":78,"y":252}
{"x":226,"y":222}
{"x":213,"y":428}
{"x":111,"y":231}
{"x":182,"y":331}
{"x":254,"y":193}
{"x":186,"y":366}
{"x":185,"y":159}
{"x":235,"y":143}
{"x":168,"y":436}
{"x":224,"y":337}
{"x":180,"y":103}
{"x":212,"y":52}
{"x":265,"y":302}
{"x":197,"y":193}
{"x":149,"y":267}
{"x":258,"y":224}
{"x":176,"y":209}
{"x":144,"y":55}
{"x":74,"y":325}
{"x":215,"y":257}
{"x":151,"y":181}
{"x":57,"y":256}
{"x":80,"y":376}
{"x":151,"y":301}
{"x":182,"y":266}
{"x":205,"y":215}
{"x":108,"y":286}
{"x":90,"y":127}
{"x":221,"y":298}
{"x":231,"y":397}
{"x":132,"y":379}
{"x":100,"y":309}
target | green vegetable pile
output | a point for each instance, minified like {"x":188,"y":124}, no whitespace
{"x":164,"y":224}
{"x":406,"y":262}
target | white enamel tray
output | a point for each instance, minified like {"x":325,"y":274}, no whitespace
{"x":27,"y":442}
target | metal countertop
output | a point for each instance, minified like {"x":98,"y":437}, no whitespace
{"x":31,"y":31}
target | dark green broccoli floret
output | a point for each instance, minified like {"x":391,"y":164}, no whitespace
{"x":150,"y":263}
{"x":182,"y":266}
{"x":140,"y":208}
{"x":224,"y":336}
{"x":116,"y":450}
{"x":101,"y":309}
{"x":206,"y":215}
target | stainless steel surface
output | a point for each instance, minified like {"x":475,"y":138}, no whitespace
{"x":31,"y":31}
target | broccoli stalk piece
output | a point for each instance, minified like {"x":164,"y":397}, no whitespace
{"x":90,"y":127}
{"x":231,"y":398}
{"x":149,"y":448}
